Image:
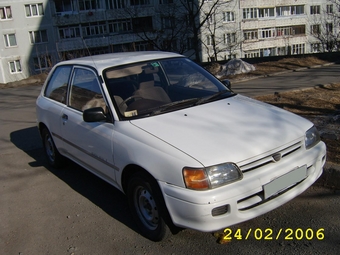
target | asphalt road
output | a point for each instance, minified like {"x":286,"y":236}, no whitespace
{"x":302,"y":78}
{"x":70,"y":211}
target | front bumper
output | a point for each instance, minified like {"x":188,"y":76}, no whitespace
{"x":219,"y":208}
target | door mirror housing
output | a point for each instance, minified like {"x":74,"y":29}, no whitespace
{"x":94,"y":115}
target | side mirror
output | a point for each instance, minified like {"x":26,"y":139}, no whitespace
{"x":94,"y":115}
{"x":227,"y":83}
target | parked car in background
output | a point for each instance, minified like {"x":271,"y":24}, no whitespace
{"x":186,"y":150}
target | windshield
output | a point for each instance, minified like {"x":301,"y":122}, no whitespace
{"x":155,"y":87}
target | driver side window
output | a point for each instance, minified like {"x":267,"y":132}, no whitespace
{"x":85,"y":91}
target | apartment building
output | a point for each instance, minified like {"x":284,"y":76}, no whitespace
{"x":260,"y":28}
{"x":27,"y":38}
{"x":37,"y":34}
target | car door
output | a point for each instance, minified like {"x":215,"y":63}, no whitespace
{"x":89,"y":144}
{"x":54,"y":102}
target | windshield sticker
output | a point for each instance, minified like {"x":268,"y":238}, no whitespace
{"x":131,"y":113}
{"x":155,"y":64}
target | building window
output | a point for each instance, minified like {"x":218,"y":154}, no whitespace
{"x":315,"y":47}
{"x":209,"y":19}
{"x":251,"y":54}
{"x":281,"y":51}
{"x":267,"y":52}
{"x":141,"y":46}
{"x":283,"y":11}
{"x":166,"y":1}
{"x":297,"y":9}
{"x":139,"y":2}
{"x":10,"y":40}
{"x":38,"y":36}
{"x":209,"y":40}
{"x":15,"y":66}
{"x":230,"y":38}
{"x":142,"y":24}
{"x":267,"y":33}
{"x":228,"y":16}
{"x":315,"y":9}
{"x":329,"y":8}
{"x":94,"y":28}
{"x":5,"y":12}
{"x":298,"y":49}
{"x":250,"y":35}
{"x":116,"y":4}
{"x":315,"y":29}
{"x":299,"y":30}
{"x":329,"y":28}
{"x":290,"y":10}
{"x":63,"y":5}
{"x":68,"y":32}
{"x":290,"y":31}
{"x":42,"y":63}
{"x":283,"y":31}
{"x":250,"y":13}
{"x":168,"y":22}
{"x":116,"y":26}
{"x":34,"y":10}
{"x":266,"y":12}
{"x":86,"y":5}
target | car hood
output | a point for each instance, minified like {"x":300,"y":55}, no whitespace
{"x":229,"y":130}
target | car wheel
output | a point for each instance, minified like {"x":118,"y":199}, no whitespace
{"x":54,"y":158}
{"x":147,"y":206}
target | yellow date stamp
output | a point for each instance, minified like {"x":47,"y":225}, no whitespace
{"x":270,"y":234}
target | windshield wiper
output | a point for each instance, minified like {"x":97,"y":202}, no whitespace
{"x":213,"y":97}
{"x":175,"y":105}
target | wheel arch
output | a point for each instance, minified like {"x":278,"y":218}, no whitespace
{"x":41,"y":126}
{"x":129,"y":171}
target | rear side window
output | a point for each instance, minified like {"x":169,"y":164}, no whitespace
{"x":56,"y":88}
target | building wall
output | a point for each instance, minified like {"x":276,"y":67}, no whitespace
{"x":23,"y":52}
{"x":71,"y":31}
{"x":279,"y":32}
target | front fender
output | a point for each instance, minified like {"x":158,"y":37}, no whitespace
{"x":134,"y":146}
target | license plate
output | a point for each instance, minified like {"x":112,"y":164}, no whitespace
{"x":285,"y":181}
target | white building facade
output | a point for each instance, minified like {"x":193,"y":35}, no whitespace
{"x":27,"y":36}
{"x":260,"y":28}
{"x":37,"y":34}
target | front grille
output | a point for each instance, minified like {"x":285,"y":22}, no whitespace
{"x":258,"y":199}
{"x":268,"y":159}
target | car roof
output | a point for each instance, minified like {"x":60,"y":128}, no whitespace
{"x":101,"y":62}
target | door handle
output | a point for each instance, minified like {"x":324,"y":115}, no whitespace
{"x":65,"y":118}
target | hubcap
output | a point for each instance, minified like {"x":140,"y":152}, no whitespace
{"x":49,"y":148}
{"x":146,"y":208}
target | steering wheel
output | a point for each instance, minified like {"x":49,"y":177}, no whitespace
{"x":128,"y":99}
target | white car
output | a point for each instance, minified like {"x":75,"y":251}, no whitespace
{"x":186,"y":150}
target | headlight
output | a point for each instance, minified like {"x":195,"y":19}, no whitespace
{"x":312,"y":137}
{"x":211,"y":177}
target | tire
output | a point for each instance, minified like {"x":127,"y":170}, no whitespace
{"x":148,"y":207}
{"x":54,"y":158}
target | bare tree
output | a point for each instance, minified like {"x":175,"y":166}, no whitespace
{"x":221,"y":38}
{"x":164,"y":31}
{"x":178,"y":26}
{"x":198,"y":16}
{"x":323,"y":27}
